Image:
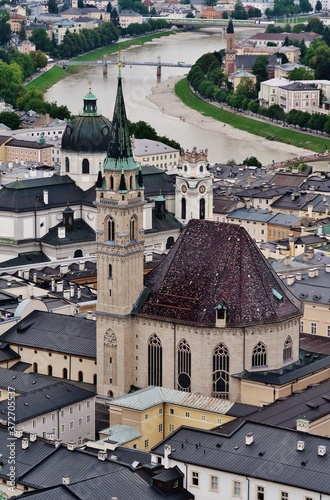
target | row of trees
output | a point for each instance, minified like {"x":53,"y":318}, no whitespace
{"x":208,"y":78}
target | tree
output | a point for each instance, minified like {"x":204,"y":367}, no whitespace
{"x":39,"y":59}
{"x":5,"y":32}
{"x":301,"y":74}
{"x":109,"y":7}
{"x":254,"y":12}
{"x":252,"y":161}
{"x":320,"y":62}
{"x":239,"y":11}
{"x":315,"y":24}
{"x":275,"y":112}
{"x":260,"y":69}
{"x":247,"y":88}
{"x":10,"y":119}
{"x":318,"y":6}
{"x":211,"y":3}
{"x":81,"y":4}
{"x":115,"y":18}
{"x":52,"y":7}
{"x":22,"y":32}
{"x":305,"y":6}
{"x":41,"y":40}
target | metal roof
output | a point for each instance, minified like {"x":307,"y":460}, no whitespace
{"x":272,"y":456}
{"x":55,"y":332}
{"x":120,"y":433}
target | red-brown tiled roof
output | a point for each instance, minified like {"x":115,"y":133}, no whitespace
{"x":214,"y":262}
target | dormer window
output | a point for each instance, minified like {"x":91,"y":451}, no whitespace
{"x":221,"y":315}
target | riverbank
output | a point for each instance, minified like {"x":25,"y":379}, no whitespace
{"x":163,"y":95}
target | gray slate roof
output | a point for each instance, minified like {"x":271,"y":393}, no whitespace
{"x":272,"y":456}
{"x":55,"y":332}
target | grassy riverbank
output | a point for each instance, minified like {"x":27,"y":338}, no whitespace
{"x":55,"y":74}
{"x":256,"y":127}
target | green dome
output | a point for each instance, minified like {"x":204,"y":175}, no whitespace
{"x":89,"y":132}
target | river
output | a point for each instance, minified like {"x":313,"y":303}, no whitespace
{"x":138,"y":82}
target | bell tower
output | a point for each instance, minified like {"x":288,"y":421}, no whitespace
{"x":120,"y":248}
{"x":230,"y":49}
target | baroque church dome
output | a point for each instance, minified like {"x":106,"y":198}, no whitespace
{"x":89,"y":132}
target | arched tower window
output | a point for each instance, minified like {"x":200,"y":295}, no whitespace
{"x":259,"y":355}
{"x":220,"y":376}
{"x":169,"y":242}
{"x":111,"y":229}
{"x":65,"y":373}
{"x":50,"y":370}
{"x":110,"y":271}
{"x":67,"y":164}
{"x":132,"y":231}
{"x":155,"y":361}
{"x":131,"y":182}
{"x":111,"y":182}
{"x":110,"y":356}
{"x":184,"y":366}
{"x":80,"y":376}
{"x":35,"y":367}
{"x":78,"y":253}
{"x":183,"y":208}
{"x":287,"y":349}
{"x":85,"y":166}
{"x":202,"y":208}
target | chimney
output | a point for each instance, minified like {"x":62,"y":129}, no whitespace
{"x":50,"y":436}
{"x":311,"y":273}
{"x":327,"y":268}
{"x":102,"y":455}
{"x":66,"y":294}
{"x":79,"y":293}
{"x":33,"y":436}
{"x":35,"y":277}
{"x":167,"y":452}
{"x":25,"y":443}
{"x":26,"y":275}
{"x":302,"y":425}
{"x":321,"y":450}
{"x":57,"y":442}
{"x":71,"y":291}
{"x":61,"y":232}
{"x":89,"y":315}
{"x":18,"y":433}
{"x":81,"y":265}
{"x":71,"y":445}
{"x":290,"y":280}
{"x":46,"y":197}
{"x":65,"y":480}
{"x":53,"y":285}
{"x":59,"y":286}
{"x":300,"y":445}
{"x":298,"y":276}
{"x":248,"y":439}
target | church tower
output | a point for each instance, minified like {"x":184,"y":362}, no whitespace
{"x":194,"y":190}
{"x":230,"y":50}
{"x":120,"y":246}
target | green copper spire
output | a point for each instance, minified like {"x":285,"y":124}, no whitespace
{"x":119,"y":156}
{"x":230,"y":27}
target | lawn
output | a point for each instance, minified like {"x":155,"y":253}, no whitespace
{"x":256,"y":127}
{"x":49,"y":78}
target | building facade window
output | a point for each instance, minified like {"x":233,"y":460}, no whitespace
{"x":259,"y":355}
{"x":237,"y":488}
{"x":284,"y":495}
{"x":202,"y":208}
{"x":287,"y":349}
{"x":184,"y":366}
{"x":214,"y":483}
{"x":183,"y":208}
{"x":160,"y":428}
{"x":328,"y":330}
{"x":313,"y":328}
{"x":133,"y":227}
{"x":155,"y":361}
{"x":67,"y":164}
{"x":146,"y":443}
{"x":194,"y":478}
{"x":260,"y":493}
{"x":85,"y":166}
{"x":220,"y":382}
{"x":111,"y":229}
{"x":171,"y":427}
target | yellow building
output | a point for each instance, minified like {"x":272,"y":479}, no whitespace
{"x":143,"y":418}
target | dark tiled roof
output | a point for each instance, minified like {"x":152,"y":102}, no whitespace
{"x":169,"y":474}
{"x":213,"y":262}
{"x":44,"y":400}
{"x":302,"y":368}
{"x":6,"y":353}
{"x":4,"y":138}
{"x":241,"y":410}
{"x":79,"y":231}
{"x":315,"y":343}
{"x":55,"y":332}
{"x":311,"y":404}
{"x":167,"y":224}
{"x":26,"y":195}
{"x":19,"y":143}
{"x":25,"y":258}
{"x":155,"y":181}
{"x":272,"y":456}
{"x":23,"y":382}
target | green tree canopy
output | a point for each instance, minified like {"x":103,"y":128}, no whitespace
{"x":41,"y":40}
{"x":301,"y":74}
{"x":315,"y":24}
{"x":10,"y":119}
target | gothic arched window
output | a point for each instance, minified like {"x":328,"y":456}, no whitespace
{"x":110,"y":356}
{"x":259,"y":355}
{"x":65,"y":373}
{"x":287,"y":349}
{"x":155,"y":361}
{"x":184,"y":366}
{"x":111,"y":229}
{"x":110,"y":271}
{"x":50,"y":370}
{"x":169,"y":242}
{"x":220,"y":376}
{"x":133,"y":228}
{"x":111,"y":182}
{"x":202,"y":208}
{"x":67,"y":164}
{"x":85,"y":166}
{"x":183,"y":208}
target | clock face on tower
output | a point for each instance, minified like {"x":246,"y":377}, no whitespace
{"x":231,"y":57}
{"x":202,"y":189}
{"x":184,"y":188}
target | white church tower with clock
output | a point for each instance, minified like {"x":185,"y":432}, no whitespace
{"x":194,"y":191}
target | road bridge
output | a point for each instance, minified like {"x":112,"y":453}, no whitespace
{"x":105,"y":62}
